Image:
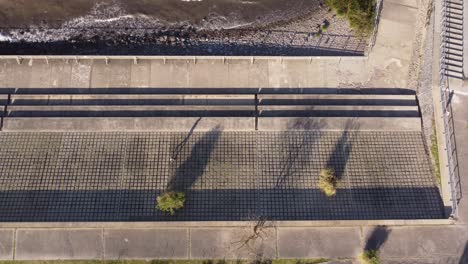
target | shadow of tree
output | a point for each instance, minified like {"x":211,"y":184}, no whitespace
{"x":194,"y":166}
{"x":341,"y":152}
{"x":181,"y":145}
{"x":297,"y":155}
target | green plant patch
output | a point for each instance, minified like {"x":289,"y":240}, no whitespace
{"x":328,"y":182}
{"x":370,"y":257}
{"x":359,"y":13}
{"x":435,"y":154}
{"x":170,"y":201}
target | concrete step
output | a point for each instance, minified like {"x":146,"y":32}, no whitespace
{"x":159,"y":99}
{"x":128,"y":111}
{"x":183,"y":124}
{"x":337,"y":111}
{"x":339,"y":124}
{"x":3,"y":99}
{"x":456,"y":48}
{"x":206,"y":124}
{"x":285,"y":99}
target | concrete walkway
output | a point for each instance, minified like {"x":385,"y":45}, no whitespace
{"x":428,"y":243}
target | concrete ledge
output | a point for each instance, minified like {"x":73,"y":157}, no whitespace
{"x":213,"y":224}
{"x":339,"y":123}
{"x":49,"y":244}
{"x":129,"y":124}
{"x":164,"y":58}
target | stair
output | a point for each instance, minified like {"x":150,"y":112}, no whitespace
{"x":227,"y":109}
{"x":452,"y":39}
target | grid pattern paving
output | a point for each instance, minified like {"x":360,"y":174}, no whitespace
{"x":226,"y":175}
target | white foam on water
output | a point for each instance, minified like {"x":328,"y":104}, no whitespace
{"x":4,"y":38}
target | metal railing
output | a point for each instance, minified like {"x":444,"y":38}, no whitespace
{"x":449,"y":135}
{"x":373,"y":38}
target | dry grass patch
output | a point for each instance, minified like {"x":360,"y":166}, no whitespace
{"x":170,"y":201}
{"x":328,"y":182}
{"x":370,"y":257}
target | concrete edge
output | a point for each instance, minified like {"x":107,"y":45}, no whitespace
{"x":19,"y":58}
{"x":445,"y":189}
{"x":226,"y":224}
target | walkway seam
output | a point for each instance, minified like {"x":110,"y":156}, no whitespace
{"x":103,"y":244}
{"x":189,"y":242}
{"x":277,"y":242}
{"x":14,"y":243}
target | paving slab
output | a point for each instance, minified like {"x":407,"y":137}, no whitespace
{"x":112,"y":75}
{"x":209,"y":73}
{"x":81,"y":74}
{"x":50,"y":244}
{"x":421,"y":242}
{"x":170,"y":73}
{"x":60,"y":73}
{"x":333,"y":242}
{"x":6,"y":244}
{"x":41,"y":74}
{"x":141,"y":74}
{"x":233,"y":243}
{"x":146,"y":243}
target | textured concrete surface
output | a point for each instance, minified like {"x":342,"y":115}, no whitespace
{"x":226,"y":176}
{"x":50,"y":244}
{"x":219,"y":243}
{"x":310,"y":243}
{"x":146,"y":244}
{"x":6,"y":244}
{"x":413,"y":244}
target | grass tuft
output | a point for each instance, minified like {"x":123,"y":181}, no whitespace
{"x":170,"y":201}
{"x":359,"y":13}
{"x":370,"y":257}
{"x":328,"y":182}
{"x":435,"y":153}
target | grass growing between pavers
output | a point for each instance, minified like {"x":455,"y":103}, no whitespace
{"x":156,"y":261}
{"x":435,"y":154}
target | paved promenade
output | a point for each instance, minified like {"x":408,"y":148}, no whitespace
{"x":387,"y":66}
{"x":227,"y":176}
{"x":428,"y":243}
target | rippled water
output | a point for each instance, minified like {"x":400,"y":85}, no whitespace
{"x":222,"y":13}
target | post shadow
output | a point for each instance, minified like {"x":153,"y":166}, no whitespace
{"x":377,"y":238}
{"x":464,"y":256}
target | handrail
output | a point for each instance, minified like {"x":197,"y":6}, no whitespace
{"x":445,"y":94}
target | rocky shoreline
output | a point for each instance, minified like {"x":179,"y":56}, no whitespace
{"x":116,"y":32}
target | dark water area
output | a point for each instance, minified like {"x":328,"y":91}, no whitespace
{"x":23,"y":13}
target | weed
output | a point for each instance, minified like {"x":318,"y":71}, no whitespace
{"x":328,"y":182}
{"x":435,"y":154}
{"x":370,"y":257}
{"x":359,"y":13}
{"x":170,"y":201}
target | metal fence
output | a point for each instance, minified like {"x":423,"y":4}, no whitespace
{"x":446,"y":95}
